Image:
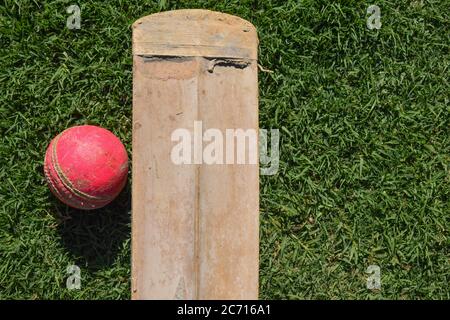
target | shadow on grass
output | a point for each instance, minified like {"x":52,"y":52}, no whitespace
{"x":94,"y":238}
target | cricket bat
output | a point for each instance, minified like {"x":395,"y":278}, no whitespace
{"x":195,"y":200}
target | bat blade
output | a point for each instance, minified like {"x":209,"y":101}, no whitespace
{"x":195,"y":224}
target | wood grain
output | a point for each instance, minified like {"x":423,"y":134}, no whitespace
{"x":195,"y":32}
{"x":195,"y":227}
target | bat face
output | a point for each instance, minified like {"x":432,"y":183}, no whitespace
{"x":195,"y":215}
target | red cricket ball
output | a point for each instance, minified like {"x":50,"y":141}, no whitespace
{"x":86,"y":167}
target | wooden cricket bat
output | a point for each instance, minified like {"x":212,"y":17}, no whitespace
{"x":195,"y":226}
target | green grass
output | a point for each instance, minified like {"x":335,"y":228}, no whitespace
{"x":365,"y":146}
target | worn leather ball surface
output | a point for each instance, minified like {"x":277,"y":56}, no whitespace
{"x":86,"y":167}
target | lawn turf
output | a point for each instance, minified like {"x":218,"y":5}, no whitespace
{"x":365,"y":146}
